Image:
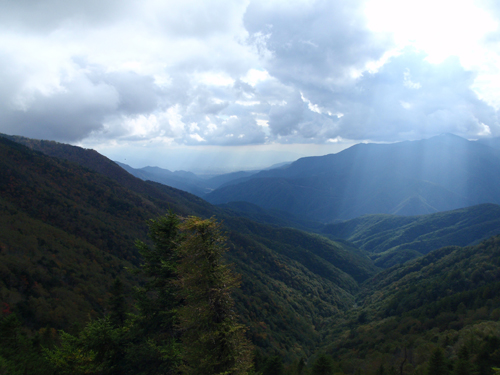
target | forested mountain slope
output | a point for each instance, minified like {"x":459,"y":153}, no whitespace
{"x":449,"y":299}
{"x":395,"y":239}
{"x":292,"y":282}
{"x":273,"y":217}
{"x":407,"y":178}
{"x":67,"y":231}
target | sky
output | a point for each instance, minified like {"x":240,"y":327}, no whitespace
{"x":225,"y":85}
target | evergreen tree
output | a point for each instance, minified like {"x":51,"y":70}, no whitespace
{"x":98,"y":349}
{"x":300,"y":366}
{"x":117,"y":304}
{"x":323,"y":365}
{"x":148,"y":343}
{"x":437,"y":363}
{"x":155,"y":346}
{"x":157,"y":300}
{"x":213,"y":340}
{"x":186,"y":313}
{"x":463,"y":365}
{"x":273,"y":366}
{"x":20,"y":353}
{"x":381,"y":370}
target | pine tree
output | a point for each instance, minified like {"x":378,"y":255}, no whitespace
{"x":300,"y":366}
{"x":117,"y":305}
{"x":186,"y":321}
{"x":146,"y":344}
{"x":19,"y":353}
{"x":273,"y":366}
{"x":155,"y":346}
{"x":157,"y":299}
{"x":437,"y":363}
{"x":323,"y":365}
{"x":463,"y":365}
{"x":213,"y":340}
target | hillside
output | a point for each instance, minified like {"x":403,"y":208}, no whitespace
{"x":395,"y":239}
{"x":292,"y":282}
{"x":182,"y":180}
{"x":448,"y":299}
{"x":407,"y":178}
{"x":273,"y":217}
{"x":68,"y":231}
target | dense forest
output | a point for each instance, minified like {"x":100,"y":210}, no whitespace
{"x":104,"y":273}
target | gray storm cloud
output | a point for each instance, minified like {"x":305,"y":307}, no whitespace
{"x":80,"y":105}
{"x":315,"y":43}
{"x":183,"y":71}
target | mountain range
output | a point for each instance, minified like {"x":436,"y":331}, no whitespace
{"x":81,"y":213}
{"x":372,"y":291}
{"x":184,"y":180}
{"x":406,"y":178}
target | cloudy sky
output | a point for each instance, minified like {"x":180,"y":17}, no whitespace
{"x":238,"y":84}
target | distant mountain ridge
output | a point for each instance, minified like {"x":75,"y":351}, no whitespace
{"x":184,"y":180}
{"x":407,"y":178}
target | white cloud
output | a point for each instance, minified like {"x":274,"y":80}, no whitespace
{"x":248,"y":72}
{"x":409,"y":83}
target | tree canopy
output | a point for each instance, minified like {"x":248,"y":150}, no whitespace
{"x":186,"y":321}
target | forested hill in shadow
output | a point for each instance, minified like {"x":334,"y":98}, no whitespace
{"x":407,"y":178}
{"x":69,"y":231}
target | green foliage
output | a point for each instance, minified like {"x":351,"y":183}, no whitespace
{"x":146,"y":343}
{"x":273,"y":217}
{"x":448,"y":298}
{"x":273,"y":366}
{"x":50,"y":277}
{"x":154,"y":335}
{"x":213,"y":340}
{"x":20,"y":352}
{"x":117,"y":304}
{"x":437,"y":363}
{"x":463,"y":365}
{"x":323,"y":365}
{"x":187,"y":297}
{"x":396,"y":239}
{"x":98,"y":349}
{"x":68,"y":229}
{"x":157,"y":299}
{"x":66,"y":232}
